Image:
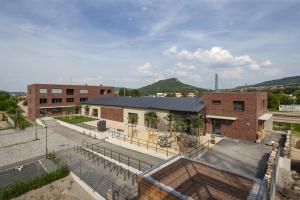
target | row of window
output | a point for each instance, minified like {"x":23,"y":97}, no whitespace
{"x":237,"y":105}
{"x":71,"y":91}
{"x":59,"y":100}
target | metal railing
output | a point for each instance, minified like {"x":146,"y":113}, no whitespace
{"x":103,"y":185}
{"x":142,"y":143}
{"x":121,"y":158}
{"x":198,"y":149}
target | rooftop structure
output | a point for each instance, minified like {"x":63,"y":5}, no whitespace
{"x":182,"y":178}
{"x":187,"y":104}
{"x":245,"y":158}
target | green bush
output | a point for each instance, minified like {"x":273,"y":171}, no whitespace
{"x":22,"y":187}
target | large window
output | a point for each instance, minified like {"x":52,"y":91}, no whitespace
{"x":239,"y":105}
{"x":69,"y":100}
{"x":56,"y":100}
{"x":83,"y":99}
{"x":70,"y":91}
{"x":216,"y":102}
{"x":108,"y":91}
{"x":56,"y":91}
{"x":84,"y":91}
{"x":102,"y":92}
{"x":43,"y":91}
{"x":43,"y":101}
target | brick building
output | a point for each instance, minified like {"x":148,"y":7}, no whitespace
{"x":239,"y":115}
{"x":50,"y":99}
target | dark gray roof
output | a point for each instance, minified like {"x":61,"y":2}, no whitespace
{"x":241,"y":157}
{"x":186,"y":104}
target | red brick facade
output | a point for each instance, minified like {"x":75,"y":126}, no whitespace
{"x":246,"y":125}
{"x":115,"y":114}
{"x":44,"y":92}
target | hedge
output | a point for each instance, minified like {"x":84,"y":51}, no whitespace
{"x":20,"y":188}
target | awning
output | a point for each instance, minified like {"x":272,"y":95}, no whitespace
{"x":69,"y":106}
{"x":221,"y":117}
{"x":265,"y":116}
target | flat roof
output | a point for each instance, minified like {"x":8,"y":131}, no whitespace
{"x":188,"y":179}
{"x":248,"y":159}
{"x":184,"y":104}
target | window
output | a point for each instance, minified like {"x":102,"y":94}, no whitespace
{"x":43,"y":101}
{"x":102,"y":92}
{"x":69,"y":100}
{"x":56,"y":91}
{"x":43,"y":91}
{"x":239,"y":105}
{"x":56,"y":100}
{"x":216,"y":102}
{"x":70,"y":91}
{"x":83,"y":99}
{"x":84,"y":91}
{"x":108,"y":91}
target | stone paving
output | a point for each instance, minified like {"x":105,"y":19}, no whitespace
{"x":59,"y":138}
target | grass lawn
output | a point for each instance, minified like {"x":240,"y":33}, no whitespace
{"x":75,"y":119}
{"x":280,"y":126}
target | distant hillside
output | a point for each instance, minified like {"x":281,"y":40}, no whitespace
{"x":288,"y":81}
{"x":169,"y":86}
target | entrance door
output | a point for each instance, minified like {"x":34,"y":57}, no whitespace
{"x":216,"y":126}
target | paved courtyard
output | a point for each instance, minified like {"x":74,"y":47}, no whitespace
{"x":17,"y":145}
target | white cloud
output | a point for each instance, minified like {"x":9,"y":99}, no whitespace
{"x":147,"y":71}
{"x":267,"y":63}
{"x":231,"y":73}
{"x":217,"y":55}
{"x":145,"y":68}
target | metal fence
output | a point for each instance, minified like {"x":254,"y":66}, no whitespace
{"x":104,"y":185}
{"x":143,"y":143}
{"x":121,"y":158}
{"x":197,"y":150}
{"x":20,"y":173}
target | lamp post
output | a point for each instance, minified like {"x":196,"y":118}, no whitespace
{"x":45,"y":126}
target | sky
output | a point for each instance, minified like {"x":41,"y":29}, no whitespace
{"x":136,"y":42}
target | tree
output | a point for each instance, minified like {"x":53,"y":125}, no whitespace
{"x":124,"y":92}
{"x":135,"y":93}
{"x":171,"y":94}
{"x":19,"y":119}
{"x":151,"y":119}
{"x":184,"y":94}
{"x":132,"y":119}
{"x":170,"y":119}
{"x":297,"y":95}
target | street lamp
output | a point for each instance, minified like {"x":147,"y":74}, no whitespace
{"x":45,"y":126}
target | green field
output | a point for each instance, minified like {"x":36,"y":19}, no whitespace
{"x":280,"y":126}
{"x":75,"y":119}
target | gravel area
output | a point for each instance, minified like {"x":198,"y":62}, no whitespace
{"x":64,"y":189}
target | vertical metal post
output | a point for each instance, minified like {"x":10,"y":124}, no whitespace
{"x":46,"y":142}
{"x":35,"y":131}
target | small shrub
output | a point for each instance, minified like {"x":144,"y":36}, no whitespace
{"x":22,"y":187}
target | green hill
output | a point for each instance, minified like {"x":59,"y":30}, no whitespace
{"x":287,"y":81}
{"x":169,"y":86}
